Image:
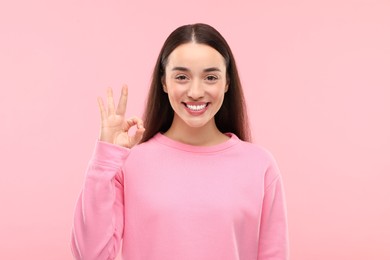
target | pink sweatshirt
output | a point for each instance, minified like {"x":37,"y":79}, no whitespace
{"x":172,"y":201}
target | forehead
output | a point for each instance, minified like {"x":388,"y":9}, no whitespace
{"x":195,"y":55}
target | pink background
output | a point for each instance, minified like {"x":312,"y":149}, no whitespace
{"x":316,"y":78}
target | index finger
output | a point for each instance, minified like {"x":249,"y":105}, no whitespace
{"x":121,"y":109}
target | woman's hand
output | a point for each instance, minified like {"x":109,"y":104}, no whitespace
{"x":114,"y":126}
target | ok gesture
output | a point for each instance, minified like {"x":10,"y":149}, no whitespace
{"x":114,"y":127}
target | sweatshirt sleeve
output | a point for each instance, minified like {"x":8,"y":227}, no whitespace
{"x":98,"y":219}
{"x":273,"y":242}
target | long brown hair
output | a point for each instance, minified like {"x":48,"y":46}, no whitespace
{"x":231,"y":117}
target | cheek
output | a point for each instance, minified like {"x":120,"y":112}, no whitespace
{"x":174,"y":94}
{"x":218,"y":92}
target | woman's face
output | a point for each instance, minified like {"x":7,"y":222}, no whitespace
{"x":195,"y":81}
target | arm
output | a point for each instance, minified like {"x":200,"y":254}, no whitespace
{"x":98,"y":219}
{"x":273,"y":242}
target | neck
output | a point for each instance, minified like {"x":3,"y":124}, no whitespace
{"x":200,"y":136}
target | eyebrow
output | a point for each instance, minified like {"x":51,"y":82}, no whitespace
{"x":205,"y":70}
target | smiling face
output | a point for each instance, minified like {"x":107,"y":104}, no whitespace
{"x":195,"y":81}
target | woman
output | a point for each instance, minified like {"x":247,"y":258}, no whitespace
{"x":187,"y":184}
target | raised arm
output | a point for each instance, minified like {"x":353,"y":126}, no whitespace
{"x":98,"y":219}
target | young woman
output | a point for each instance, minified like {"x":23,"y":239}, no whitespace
{"x":188,"y":184}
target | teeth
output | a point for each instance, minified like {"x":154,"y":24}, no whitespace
{"x":196,"y":108}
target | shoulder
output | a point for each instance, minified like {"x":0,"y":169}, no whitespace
{"x":257,"y":151}
{"x":260,"y":155}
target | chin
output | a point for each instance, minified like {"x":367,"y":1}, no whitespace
{"x":197,"y":123}
{"x":193,"y":122}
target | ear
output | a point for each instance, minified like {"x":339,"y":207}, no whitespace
{"x":227,"y":83}
{"x":163,"y":85}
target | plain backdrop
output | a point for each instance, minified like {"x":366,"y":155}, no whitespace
{"x":316,"y":76}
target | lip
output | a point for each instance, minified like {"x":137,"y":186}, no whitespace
{"x":196,"y":112}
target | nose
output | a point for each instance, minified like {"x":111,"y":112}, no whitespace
{"x":195,"y":90}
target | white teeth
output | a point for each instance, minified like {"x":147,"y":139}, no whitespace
{"x":195,"y":107}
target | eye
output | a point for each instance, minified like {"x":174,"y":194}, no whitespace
{"x":181,"y":77}
{"x":211,"y":78}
